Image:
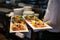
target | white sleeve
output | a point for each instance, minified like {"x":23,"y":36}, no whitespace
{"x":53,"y":12}
{"x":47,"y":16}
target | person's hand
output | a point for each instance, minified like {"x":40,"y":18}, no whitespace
{"x":47,"y":22}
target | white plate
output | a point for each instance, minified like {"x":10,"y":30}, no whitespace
{"x":47,"y":26}
{"x":11,"y":31}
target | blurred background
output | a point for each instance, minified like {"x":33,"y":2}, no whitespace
{"x":7,"y":6}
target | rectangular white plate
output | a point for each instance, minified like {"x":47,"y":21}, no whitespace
{"x":11,"y":31}
{"x":47,"y":26}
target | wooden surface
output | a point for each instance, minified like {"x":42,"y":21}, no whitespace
{"x":2,"y":37}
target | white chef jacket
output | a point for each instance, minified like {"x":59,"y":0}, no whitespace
{"x":52,"y":15}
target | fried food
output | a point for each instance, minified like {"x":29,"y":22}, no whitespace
{"x":37,"y":23}
{"x":18,"y":23}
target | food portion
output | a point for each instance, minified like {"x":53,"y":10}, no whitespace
{"x":17,"y":19}
{"x":17,"y":27}
{"x":29,"y":18}
{"x":37,"y":23}
{"x":18,"y":23}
